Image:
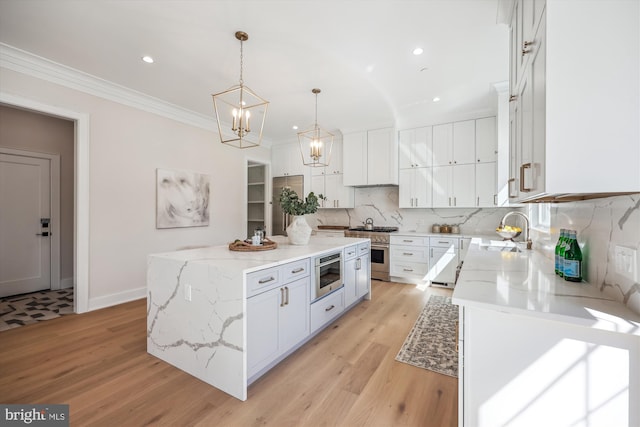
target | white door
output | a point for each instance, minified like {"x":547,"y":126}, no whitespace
{"x":25,"y":254}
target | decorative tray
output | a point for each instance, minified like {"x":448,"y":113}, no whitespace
{"x":243,"y":246}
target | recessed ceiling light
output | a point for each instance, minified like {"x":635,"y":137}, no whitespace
{"x":147,"y":59}
{"x":370,"y":68}
{"x":294,"y":127}
{"x":418,"y":51}
{"x":436,"y":99}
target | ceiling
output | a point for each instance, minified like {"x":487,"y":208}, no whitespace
{"x":359,"y":53}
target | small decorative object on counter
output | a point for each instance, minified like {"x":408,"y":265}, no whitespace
{"x":455,"y":229}
{"x":573,"y":259}
{"x":248,"y":246}
{"x":435,"y":228}
{"x":445,"y":228}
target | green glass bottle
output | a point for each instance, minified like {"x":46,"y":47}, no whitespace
{"x":573,"y":259}
{"x":559,"y":266}
{"x":561,"y":249}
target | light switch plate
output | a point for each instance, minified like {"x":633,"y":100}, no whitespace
{"x":626,"y":261}
{"x":187,"y":292}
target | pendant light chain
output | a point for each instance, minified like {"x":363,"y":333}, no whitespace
{"x":241,"y":61}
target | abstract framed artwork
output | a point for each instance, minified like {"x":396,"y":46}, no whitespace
{"x":182,"y":199}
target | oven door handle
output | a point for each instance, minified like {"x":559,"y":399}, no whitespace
{"x":374,"y":246}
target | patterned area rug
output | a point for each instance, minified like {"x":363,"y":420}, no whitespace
{"x":431,"y":344}
{"x":20,"y":310}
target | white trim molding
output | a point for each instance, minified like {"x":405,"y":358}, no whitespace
{"x":117,"y":298}
{"x":27,"y":63}
{"x":81,"y":208}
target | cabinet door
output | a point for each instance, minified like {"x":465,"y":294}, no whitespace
{"x":406,"y":140}
{"x":335,"y":163}
{"x":422,"y":183}
{"x":363,"y":277}
{"x":382,"y":157}
{"x":293,"y":317}
{"x":442,"y":187}
{"x":443,"y":144}
{"x":486,"y":185}
{"x":464,"y":188}
{"x":350,"y":278}
{"x":262,"y":329}
{"x":443,"y":262}
{"x":464,"y":142}
{"x":338,"y":196}
{"x":279,"y":160}
{"x":405,"y":189}
{"x":318,"y":187}
{"x":354,"y":150}
{"x":423,"y":147}
{"x":486,"y":140}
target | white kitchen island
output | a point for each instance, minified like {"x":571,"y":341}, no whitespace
{"x":536,"y":350}
{"x":197,"y":302}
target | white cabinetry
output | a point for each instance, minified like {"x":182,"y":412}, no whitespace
{"x":415,"y":147}
{"x":415,"y":188}
{"x":415,"y":175}
{"x":486,"y":191}
{"x":540,"y":372}
{"x":454,"y":186}
{"x":486,"y":140}
{"x":409,"y":258}
{"x":443,"y":259}
{"x":372,"y":158}
{"x":357,"y":273}
{"x":328,"y":181}
{"x":454,"y":143}
{"x":572,"y":136}
{"x":277,"y":320}
{"x":286,"y":160}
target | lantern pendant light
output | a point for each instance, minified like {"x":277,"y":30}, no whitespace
{"x":315,"y":143}
{"x":240,"y":112}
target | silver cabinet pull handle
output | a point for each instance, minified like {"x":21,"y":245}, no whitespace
{"x":522,"y":186}
{"x":330,"y":308}
{"x":407,"y":269}
{"x":407,"y":253}
{"x":449,"y":201}
{"x":297,"y":270}
{"x":431,"y":249}
{"x":408,"y":241}
{"x":478,"y":203}
{"x":270,"y":279}
{"x":286,"y":288}
{"x":358,"y":263}
{"x":445,"y":242}
{"x":281,"y":297}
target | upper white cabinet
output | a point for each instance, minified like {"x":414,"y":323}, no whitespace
{"x":286,"y":160}
{"x":454,"y":186}
{"x":371,"y":158}
{"x":575,"y":132}
{"x":454,"y":143}
{"x":415,"y":188}
{"x":415,"y":148}
{"x":486,"y":188}
{"x":486,"y":140}
{"x":328,"y":181}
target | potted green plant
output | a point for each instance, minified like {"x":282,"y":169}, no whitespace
{"x":299,"y":230}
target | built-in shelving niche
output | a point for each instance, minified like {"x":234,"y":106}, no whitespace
{"x":256,"y":196}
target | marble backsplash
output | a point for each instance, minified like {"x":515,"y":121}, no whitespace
{"x":601,"y":224}
{"x":381,"y":204}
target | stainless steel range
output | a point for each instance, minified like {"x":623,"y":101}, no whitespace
{"x":379,"y":248}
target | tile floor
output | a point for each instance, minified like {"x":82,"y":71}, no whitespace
{"x":25,"y":309}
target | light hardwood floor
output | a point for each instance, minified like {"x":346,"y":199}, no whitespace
{"x":345,"y":376}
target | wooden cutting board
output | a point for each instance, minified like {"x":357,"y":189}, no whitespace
{"x":333,"y":227}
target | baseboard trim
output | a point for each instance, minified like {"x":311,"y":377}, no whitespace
{"x":117,"y":298}
{"x":66,"y":283}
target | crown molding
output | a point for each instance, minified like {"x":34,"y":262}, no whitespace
{"x":36,"y":66}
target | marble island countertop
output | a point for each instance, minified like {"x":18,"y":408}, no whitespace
{"x":253,"y":261}
{"x":524,"y":283}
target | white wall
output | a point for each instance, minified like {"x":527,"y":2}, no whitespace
{"x":126,"y":145}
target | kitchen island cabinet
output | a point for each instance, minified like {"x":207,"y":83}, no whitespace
{"x":536,"y":350}
{"x":227,"y":317}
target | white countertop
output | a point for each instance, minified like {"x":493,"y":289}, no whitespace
{"x":525,"y":283}
{"x":253,"y":261}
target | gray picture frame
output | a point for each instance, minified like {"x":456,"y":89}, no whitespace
{"x":182,"y":199}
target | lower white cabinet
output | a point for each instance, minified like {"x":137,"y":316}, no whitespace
{"x":357,"y":273}
{"x":277,"y":320}
{"x":326,"y":309}
{"x":443,"y":259}
{"x":518,"y":370}
{"x":409,"y":258}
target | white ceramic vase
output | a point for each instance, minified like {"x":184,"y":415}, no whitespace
{"x":299,"y":231}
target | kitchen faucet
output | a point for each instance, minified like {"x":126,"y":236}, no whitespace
{"x":526,"y":236}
